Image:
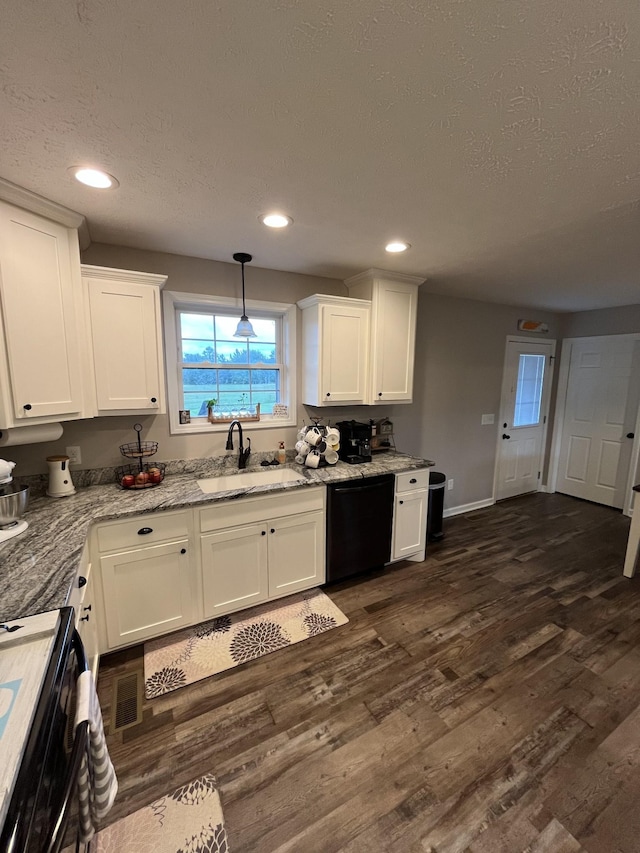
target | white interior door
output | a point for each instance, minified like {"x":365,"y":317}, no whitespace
{"x":599,"y":418}
{"x":523,"y":416}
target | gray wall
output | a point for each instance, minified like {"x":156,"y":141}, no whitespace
{"x":100,"y":438}
{"x":607,"y":321}
{"x":459,"y":361}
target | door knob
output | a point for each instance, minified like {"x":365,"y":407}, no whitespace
{"x":504,"y":435}
{"x":631,"y":435}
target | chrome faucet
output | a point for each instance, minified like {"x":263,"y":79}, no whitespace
{"x":244,"y":454}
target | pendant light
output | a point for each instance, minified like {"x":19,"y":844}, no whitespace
{"x":245,"y":329}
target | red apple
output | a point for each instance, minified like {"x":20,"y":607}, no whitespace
{"x":128,"y":481}
{"x":142,"y":478}
{"x":155,"y":475}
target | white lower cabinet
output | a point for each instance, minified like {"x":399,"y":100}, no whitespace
{"x":296,"y":553}
{"x":147,"y":592}
{"x":247,"y":565}
{"x":150,"y":581}
{"x":234,"y":569}
{"x":410,"y":524}
{"x":410,"y":515}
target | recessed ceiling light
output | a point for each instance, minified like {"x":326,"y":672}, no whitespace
{"x":397,"y":246}
{"x":95,"y":178}
{"x":275,"y":220}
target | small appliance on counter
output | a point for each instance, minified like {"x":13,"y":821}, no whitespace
{"x":13,"y":503}
{"x":60,"y":482}
{"x":355,"y":442}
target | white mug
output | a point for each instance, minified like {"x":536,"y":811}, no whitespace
{"x":312,"y":460}
{"x":300,"y":459}
{"x":313,"y":436}
{"x":332,"y":436}
{"x":331,"y":456}
{"x":303,"y":447}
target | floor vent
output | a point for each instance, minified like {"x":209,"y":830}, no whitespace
{"x":127,"y":701}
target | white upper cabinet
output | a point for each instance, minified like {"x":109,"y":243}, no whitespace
{"x":335,"y":341}
{"x":41,"y":344}
{"x":126,"y":335}
{"x":394,"y":309}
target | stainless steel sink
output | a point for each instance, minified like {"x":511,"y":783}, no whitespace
{"x":249,"y":479}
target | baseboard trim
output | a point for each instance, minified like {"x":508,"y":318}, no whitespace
{"x":460,"y":510}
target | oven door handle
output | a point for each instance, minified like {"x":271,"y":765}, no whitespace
{"x":79,"y":748}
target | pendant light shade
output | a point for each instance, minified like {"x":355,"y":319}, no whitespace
{"x":245,"y":329}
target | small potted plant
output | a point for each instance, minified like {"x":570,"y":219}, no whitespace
{"x":210,"y":406}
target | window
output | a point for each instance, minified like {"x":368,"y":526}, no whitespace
{"x":238,"y":373}
{"x":529,"y":390}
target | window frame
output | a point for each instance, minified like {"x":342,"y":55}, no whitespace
{"x":285,"y":313}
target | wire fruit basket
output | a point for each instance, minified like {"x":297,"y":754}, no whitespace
{"x":135,"y":477}
{"x":142,"y":475}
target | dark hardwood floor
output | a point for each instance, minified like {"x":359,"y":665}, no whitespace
{"x":486,"y":700}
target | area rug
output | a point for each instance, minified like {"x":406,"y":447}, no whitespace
{"x":227,"y":641}
{"x":188,"y":821}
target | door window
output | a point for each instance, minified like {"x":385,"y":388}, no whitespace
{"x":529,"y":390}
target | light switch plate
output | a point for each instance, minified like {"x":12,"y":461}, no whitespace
{"x":488,"y":419}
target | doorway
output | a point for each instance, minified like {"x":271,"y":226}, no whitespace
{"x":524,"y":412}
{"x":595,"y":451}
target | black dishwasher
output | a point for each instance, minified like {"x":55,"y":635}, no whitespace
{"x":359,"y":520}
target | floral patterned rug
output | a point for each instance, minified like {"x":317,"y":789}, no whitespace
{"x":187,"y":821}
{"x":227,"y":641}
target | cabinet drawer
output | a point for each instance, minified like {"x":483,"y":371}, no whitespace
{"x":412,"y":480}
{"x":142,"y":531}
{"x":250,"y":510}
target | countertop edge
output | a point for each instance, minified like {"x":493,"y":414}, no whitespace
{"x":37,"y":568}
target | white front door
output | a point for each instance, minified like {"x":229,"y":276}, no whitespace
{"x":599,"y":418}
{"x":523,"y":416}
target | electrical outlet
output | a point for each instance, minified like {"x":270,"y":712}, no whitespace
{"x":449,"y":485}
{"x":74,"y":454}
{"x":488,"y":419}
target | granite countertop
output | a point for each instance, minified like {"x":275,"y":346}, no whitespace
{"x":37,"y":567}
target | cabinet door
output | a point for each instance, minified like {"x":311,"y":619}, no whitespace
{"x":343,"y":359}
{"x":147,"y":592}
{"x":393,"y":341}
{"x":234,"y":569}
{"x":409,"y":523}
{"x":296,"y":553}
{"x":125,"y":329}
{"x":40,"y":289}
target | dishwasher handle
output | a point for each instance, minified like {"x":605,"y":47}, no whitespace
{"x":361,"y":487}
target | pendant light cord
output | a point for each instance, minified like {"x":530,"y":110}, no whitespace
{"x":244,"y":309}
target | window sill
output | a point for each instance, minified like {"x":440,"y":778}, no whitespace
{"x":203,"y":426}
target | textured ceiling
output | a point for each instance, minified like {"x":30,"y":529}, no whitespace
{"x":499,"y":137}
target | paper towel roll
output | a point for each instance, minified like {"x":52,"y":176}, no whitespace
{"x":30,"y":434}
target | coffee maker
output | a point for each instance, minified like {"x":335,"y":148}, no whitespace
{"x":355,"y":442}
